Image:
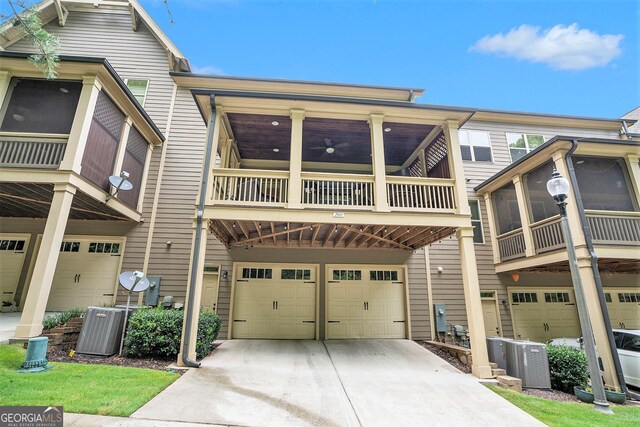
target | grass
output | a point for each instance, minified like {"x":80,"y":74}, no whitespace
{"x":86,"y":389}
{"x":573,"y":414}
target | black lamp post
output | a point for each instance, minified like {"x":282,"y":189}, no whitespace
{"x":558,"y":187}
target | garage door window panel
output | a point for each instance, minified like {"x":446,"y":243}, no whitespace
{"x":11,"y":245}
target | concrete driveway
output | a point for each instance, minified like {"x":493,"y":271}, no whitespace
{"x":331,"y":383}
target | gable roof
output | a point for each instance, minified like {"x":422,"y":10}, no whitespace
{"x":48,"y":10}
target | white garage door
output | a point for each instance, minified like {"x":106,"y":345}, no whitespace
{"x":12,"y":252}
{"x":86,"y":273}
{"x":365,"y":302}
{"x":275,"y":301}
{"x":544,"y":314}
{"x":623,"y":305}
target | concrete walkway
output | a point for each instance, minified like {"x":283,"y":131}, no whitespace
{"x":332,"y":383}
{"x":8,"y":323}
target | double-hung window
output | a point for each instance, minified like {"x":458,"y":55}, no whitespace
{"x":476,"y":221}
{"x":139,"y":89}
{"x":521,"y":143}
{"x":475,"y":145}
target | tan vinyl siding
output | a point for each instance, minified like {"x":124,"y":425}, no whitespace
{"x":418,"y":297}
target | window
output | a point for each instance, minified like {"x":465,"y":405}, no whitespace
{"x":70,"y":247}
{"x":256,"y":273}
{"x":629,"y":297}
{"x":476,"y":221}
{"x":104,"y":248}
{"x":607,"y":297}
{"x":475,"y":145}
{"x":383,"y":275}
{"x":604,"y":183}
{"x":489,"y":294}
{"x":139,"y":89}
{"x":12,"y":245}
{"x":295,"y":274}
{"x":347,"y":275}
{"x":40,"y":106}
{"x":556,"y":297}
{"x":524,"y":297}
{"x":520,"y":144}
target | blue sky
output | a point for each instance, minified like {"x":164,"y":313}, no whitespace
{"x":562,"y":57}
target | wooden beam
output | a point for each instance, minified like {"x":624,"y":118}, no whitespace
{"x":258,"y":230}
{"x":244,"y":229}
{"x":300,"y":238}
{"x":230,"y":230}
{"x":368,"y":236}
{"x":288,"y":234}
{"x":355,"y":236}
{"x":328,"y":235}
{"x":432,"y":238}
{"x":343,"y":232}
{"x":373,"y":236}
{"x":273,"y":233}
{"x":314,"y":236}
{"x":277,"y":233}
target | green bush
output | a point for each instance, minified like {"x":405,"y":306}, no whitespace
{"x":568,"y":368}
{"x":62,"y":318}
{"x":155,"y":332}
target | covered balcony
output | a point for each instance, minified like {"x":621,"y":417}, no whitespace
{"x":524,"y":219}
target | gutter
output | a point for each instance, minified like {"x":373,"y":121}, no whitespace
{"x":594,"y":266}
{"x":196,"y":249}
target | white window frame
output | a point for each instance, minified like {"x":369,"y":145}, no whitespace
{"x":525,"y":137}
{"x":479,"y":221}
{"x":467,"y":138}
{"x":146,"y":89}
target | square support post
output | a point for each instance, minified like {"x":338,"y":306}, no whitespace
{"x":5,"y":81}
{"x":480,"y":359}
{"x":488,"y":204}
{"x":456,"y":167}
{"x":47,"y":259}
{"x":529,"y":247}
{"x":295,"y":160}
{"x":379,"y":170}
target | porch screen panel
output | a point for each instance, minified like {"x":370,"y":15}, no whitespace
{"x":437,"y":158}
{"x":604,"y":183}
{"x":133,"y":162}
{"x":540,"y":202}
{"x":40,"y":106}
{"x":102,"y":143}
{"x":505,"y":205}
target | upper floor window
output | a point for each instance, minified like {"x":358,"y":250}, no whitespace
{"x":604,"y":183}
{"x":40,"y":106}
{"x":139,"y":89}
{"x":475,"y":145}
{"x":476,"y":221}
{"x":521,"y":143}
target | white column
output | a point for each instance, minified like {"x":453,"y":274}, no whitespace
{"x":488,"y":204}
{"x":47,"y":258}
{"x":529,"y":246}
{"x":456,"y":168}
{"x":295,"y":160}
{"x":5,"y":81}
{"x":72,"y":160}
{"x":633,"y":166}
{"x":379,"y":169}
{"x":215,"y":135}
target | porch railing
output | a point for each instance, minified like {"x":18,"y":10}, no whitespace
{"x":547,"y":235}
{"x":420,"y":194}
{"x":32,"y":151}
{"x":253,"y":187}
{"x":511,"y":245}
{"x":344,"y":191}
{"x":614,"y":228}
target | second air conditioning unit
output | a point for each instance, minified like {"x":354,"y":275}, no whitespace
{"x":528,"y":361}
{"x":101,"y":331}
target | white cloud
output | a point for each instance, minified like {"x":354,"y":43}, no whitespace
{"x":561,"y":47}
{"x":207,"y":69}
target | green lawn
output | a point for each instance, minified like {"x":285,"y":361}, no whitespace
{"x":572,"y":414}
{"x":86,"y":389}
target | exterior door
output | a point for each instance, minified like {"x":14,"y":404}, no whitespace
{"x":13,"y":248}
{"x":210,"y":286}
{"x":491,"y":322}
{"x":86,"y":273}
{"x":274,"y":301}
{"x":365,"y":302}
{"x":623,"y":305}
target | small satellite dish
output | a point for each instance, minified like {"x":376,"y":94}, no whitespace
{"x":132,"y":281}
{"x":121,"y":182}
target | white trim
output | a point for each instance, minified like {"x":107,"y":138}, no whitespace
{"x":525,"y":137}
{"x":473,"y":155}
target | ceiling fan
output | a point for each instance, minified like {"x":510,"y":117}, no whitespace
{"x":331,"y":147}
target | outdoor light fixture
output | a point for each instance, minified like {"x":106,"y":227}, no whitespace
{"x":275,"y":123}
{"x":558,"y":188}
{"x":225,"y":275}
{"x":275,"y":150}
{"x":387,"y":129}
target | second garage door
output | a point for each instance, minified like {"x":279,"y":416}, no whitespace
{"x":365,"y":302}
{"x":624,"y":307}
{"x":274,"y":301}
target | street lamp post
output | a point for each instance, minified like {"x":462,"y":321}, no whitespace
{"x":558,"y":187}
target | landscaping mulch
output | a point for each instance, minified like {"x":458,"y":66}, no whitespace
{"x":59,"y":355}
{"x":452,"y":360}
{"x":556,"y":395}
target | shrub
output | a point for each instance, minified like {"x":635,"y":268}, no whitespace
{"x":568,"y":368}
{"x":62,"y":318}
{"x":155,"y":332}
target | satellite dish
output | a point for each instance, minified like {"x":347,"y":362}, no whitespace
{"x":121,"y":182}
{"x":132,"y":281}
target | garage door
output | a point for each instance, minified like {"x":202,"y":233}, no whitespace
{"x":623,"y":305}
{"x":86,"y":273}
{"x":365,"y":302}
{"x":12,"y":252}
{"x":544,"y":314}
{"x":274,"y":301}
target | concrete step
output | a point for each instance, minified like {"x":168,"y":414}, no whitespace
{"x":493,"y":365}
{"x":498,"y":372}
{"x":510,"y":383}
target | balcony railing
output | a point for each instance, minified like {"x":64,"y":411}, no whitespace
{"x":511,"y":245}
{"x":19,"y":151}
{"x":323,"y":190}
{"x":250,"y":187}
{"x":420,"y":194}
{"x":547,"y":235}
{"x":614,"y":228}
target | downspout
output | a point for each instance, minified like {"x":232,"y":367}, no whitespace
{"x":594,"y":266}
{"x":196,"y":250}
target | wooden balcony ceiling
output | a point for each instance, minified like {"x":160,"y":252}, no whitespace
{"x":257,"y":137}
{"x":34,"y":201}
{"x":327,"y":236}
{"x":605,"y":265}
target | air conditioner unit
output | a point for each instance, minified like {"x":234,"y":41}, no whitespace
{"x":496,"y":348}
{"x":528,"y":361}
{"x":101,"y":331}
